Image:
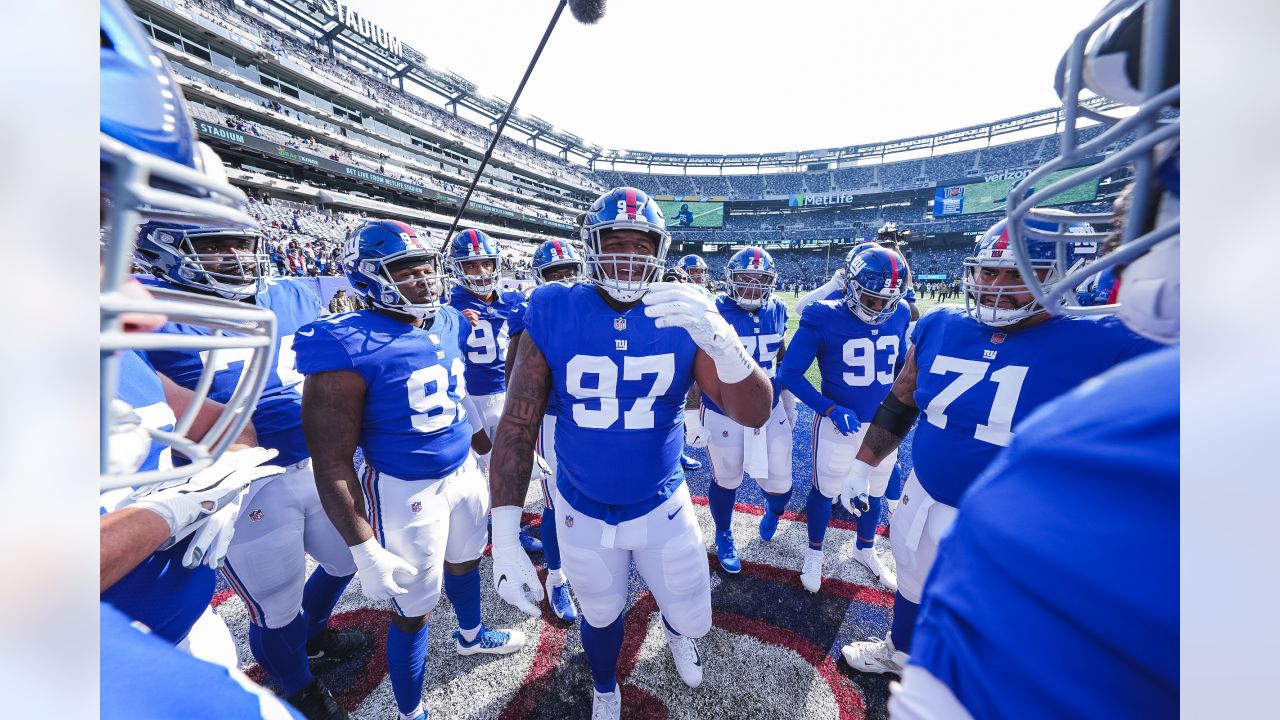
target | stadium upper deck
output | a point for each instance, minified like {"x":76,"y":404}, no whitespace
{"x":340,"y":101}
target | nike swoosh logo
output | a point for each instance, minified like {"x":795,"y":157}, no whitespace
{"x":697,"y":657}
{"x":500,"y":579}
{"x":675,"y":512}
{"x":306,"y":333}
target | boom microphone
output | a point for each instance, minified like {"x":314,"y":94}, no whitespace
{"x":584,"y":11}
{"x":587,"y":12}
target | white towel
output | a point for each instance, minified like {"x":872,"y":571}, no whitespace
{"x":755,"y":453}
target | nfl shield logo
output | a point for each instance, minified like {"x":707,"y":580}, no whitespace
{"x":255,"y":516}
{"x":416,"y":506}
{"x":997,"y":338}
{"x":568,"y":521}
{"x":906,"y":499}
{"x":620,"y":324}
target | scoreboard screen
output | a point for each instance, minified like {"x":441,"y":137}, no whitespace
{"x":985,"y":197}
{"x":692,"y":214}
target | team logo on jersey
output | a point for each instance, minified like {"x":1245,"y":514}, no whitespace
{"x":416,"y":506}
{"x":998,"y":338}
{"x":620,"y":324}
{"x":255,"y":516}
{"x":568,"y":521}
{"x":619,"y":344}
{"x":439,"y":354}
{"x":989,"y":354}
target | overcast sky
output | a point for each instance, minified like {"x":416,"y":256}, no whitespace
{"x":715,"y":76}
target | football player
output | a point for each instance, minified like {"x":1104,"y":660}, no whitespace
{"x":388,"y":380}
{"x":1026,"y":612}
{"x":971,"y":374}
{"x":696,"y":268}
{"x":620,"y":380}
{"x":553,"y":261}
{"x":150,"y":161}
{"x":283,"y":520}
{"x":857,"y":341}
{"x":474,"y":262}
{"x":760,"y":321}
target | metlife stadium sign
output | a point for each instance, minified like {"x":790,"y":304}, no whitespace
{"x":824,"y":199}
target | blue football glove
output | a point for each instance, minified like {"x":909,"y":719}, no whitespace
{"x":845,"y":421}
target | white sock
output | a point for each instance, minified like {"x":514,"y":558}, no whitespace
{"x":555,"y":577}
{"x":469,"y":635}
{"x":413,"y":714}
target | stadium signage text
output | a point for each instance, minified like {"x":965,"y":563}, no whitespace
{"x":352,"y":20}
{"x":828,"y":199}
{"x":220,"y":132}
{"x":1006,"y":175}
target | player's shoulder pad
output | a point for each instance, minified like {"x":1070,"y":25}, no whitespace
{"x":819,"y":309}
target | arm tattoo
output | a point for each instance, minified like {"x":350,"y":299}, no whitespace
{"x":517,"y":434}
{"x":332,"y":411}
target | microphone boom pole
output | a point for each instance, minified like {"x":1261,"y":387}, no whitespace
{"x":555,"y":18}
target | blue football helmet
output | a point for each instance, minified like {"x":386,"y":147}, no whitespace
{"x":233,"y":263}
{"x":467,"y":247}
{"x":370,"y":252}
{"x":624,"y":277}
{"x":555,"y":255}
{"x":750,"y":277}
{"x":152,"y":168}
{"x":1127,"y":56}
{"x":696,"y":268}
{"x":1050,"y":261}
{"x":874,"y":281}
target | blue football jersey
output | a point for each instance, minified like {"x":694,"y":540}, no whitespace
{"x":856,"y":359}
{"x":129,"y":687}
{"x":976,"y":383}
{"x":278,"y":415}
{"x":414,"y":426}
{"x":140,"y":387}
{"x":159,"y":591}
{"x":761,"y":333}
{"x":485,"y":348}
{"x":619,"y":384}
{"x":515,"y":321}
{"x":1027,"y":613}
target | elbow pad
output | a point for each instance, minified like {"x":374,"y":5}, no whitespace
{"x":895,"y":417}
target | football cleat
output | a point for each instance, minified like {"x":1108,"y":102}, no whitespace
{"x":315,"y":702}
{"x":331,"y":645}
{"x":811,"y":575}
{"x":607,"y":706}
{"x":727,"y":553}
{"x":875,"y":656}
{"x":530,"y":543}
{"x":561,"y":601}
{"x":490,"y":642}
{"x":768,"y":524}
{"x":685,"y":652}
{"x":689,"y":463}
{"x":867,"y":557}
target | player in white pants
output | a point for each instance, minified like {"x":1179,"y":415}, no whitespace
{"x":764,"y":453}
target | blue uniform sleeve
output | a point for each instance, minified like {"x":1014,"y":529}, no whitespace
{"x":515,"y":323}
{"x":801,"y":352}
{"x":910,"y":295}
{"x":317,"y":350}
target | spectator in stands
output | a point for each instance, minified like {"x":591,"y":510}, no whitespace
{"x":340,"y":302}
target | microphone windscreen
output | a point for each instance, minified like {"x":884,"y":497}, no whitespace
{"x":587,"y":11}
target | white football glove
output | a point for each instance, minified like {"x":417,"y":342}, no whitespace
{"x":209,"y":544}
{"x":686,"y":306}
{"x":695,"y":435}
{"x":513,"y":575}
{"x":789,"y":407}
{"x":856,"y":488}
{"x":381,"y":571}
{"x":541,"y":470}
{"x":184,"y":504}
